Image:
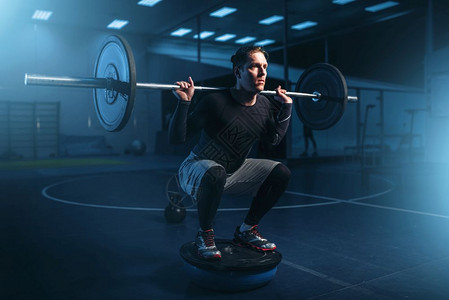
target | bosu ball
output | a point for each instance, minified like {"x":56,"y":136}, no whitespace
{"x":240,"y":268}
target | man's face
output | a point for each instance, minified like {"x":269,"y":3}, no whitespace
{"x":253,"y":74}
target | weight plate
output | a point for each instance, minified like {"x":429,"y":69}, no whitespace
{"x":330,"y":83}
{"x":175,"y":194}
{"x":115,"y":61}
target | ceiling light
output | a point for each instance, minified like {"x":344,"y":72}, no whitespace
{"x":149,"y":3}
{"x":342,"y":2}
{"x":381,"y":6}
{"x":245,"y":40}
{"x":225,"y":37}
{"x":181,"y":32}
{"x":222,"y":12}
{"x":265,"y":42}
{"x":304,"y":25}
{"x":271,"y":20}
{"x":118,"y":24}
{"x":204,"y":34}
{"x":43,"y":15}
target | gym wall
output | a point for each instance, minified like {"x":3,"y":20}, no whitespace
{"x":437,"y":145}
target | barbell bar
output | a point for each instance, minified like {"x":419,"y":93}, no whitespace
{"x":109,"y":83}
{"x":114,"y":85}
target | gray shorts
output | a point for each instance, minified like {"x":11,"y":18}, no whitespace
{"x":245,"y":181}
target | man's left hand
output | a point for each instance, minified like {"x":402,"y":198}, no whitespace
{"x":281,"y":96}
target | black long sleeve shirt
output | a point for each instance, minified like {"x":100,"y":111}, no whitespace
{"x":228,"y":128}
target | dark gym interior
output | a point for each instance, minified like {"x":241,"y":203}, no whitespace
{"x":83,"y":210}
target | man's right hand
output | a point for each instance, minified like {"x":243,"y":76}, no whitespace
{"x":185,"y":91}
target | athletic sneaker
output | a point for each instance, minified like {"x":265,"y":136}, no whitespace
{"x":254,"y":239}
{"x":206,"y":245}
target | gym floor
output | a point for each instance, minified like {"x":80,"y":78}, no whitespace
{"x":96,"y":230}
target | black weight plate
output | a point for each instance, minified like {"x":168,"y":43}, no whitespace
{"x":115,"y":61}
{"x":330,"y":83}
{"x":176,"y":195}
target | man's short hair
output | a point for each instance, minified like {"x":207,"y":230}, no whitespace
{"x":241,"y":55}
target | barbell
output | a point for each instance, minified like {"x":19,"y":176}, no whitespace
{"x":321,"y":91}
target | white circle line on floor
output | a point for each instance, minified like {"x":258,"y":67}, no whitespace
{"x":331,"y":200}
{"x":45,"y":193}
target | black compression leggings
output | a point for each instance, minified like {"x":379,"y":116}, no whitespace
{"x":209,"y":195}
{"x":211,"y":190}
{"x":271,"y":190}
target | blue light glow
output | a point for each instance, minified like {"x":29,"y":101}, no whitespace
{"x":149,"y":3}
{"x":117,"y":24}
{"x":181,"y":31}
{"x":342,"y":2}
{"x":271,"y":20}
{"x":42,"y":15}
{"x":204,"y":34}
{"x":381,"y":6}
{"x":222,"y":12}
{"x":304,"y":25}
{"x":265,"y":42}
{"x":245,"y":40}
{"x":225,"y":37}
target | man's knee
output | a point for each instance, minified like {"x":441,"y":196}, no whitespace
{"x":215,"y":175}
{"x":281,"y":173}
